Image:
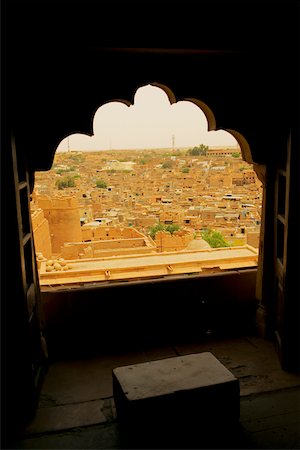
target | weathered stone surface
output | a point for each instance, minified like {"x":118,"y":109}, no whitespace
{"x":65,"y":417}
{"x":169,"y":375}
{"x":184,"y":388}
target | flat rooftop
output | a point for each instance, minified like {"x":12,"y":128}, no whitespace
{"x":150,"y":265}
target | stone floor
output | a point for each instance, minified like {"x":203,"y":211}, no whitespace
{"x":76,"y":408}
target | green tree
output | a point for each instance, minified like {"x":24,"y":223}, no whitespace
{"x":65,"y":182}
{"x":157,"y":227}
{"x":162,"y":227}
{"x":214,"y":238}
{"x":235,"y":154}
{"x":171,"y":228}
{"x":201,"y":150}
{"x":101,"y":184}
{"x":185,"y":170}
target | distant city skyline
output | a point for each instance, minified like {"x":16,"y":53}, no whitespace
{"x":150,"y":122}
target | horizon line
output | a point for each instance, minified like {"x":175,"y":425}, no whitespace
{"x":148,"y":149}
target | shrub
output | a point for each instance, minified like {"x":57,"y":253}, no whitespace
{"x":214,"y":238}
{"x":101,"y":184}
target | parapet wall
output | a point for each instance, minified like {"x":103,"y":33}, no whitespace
{"x":46,"y":202}
{"x":91,"y":233}
{"x":177,"y":310}
{"x":253,"y":238}
{"x":167,"y":242}
{"x":107,"y":247}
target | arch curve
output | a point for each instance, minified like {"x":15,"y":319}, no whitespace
{"x":167,"y":90}
{"x":244,"y":146}
{"x":207,"y":111}
{"x":117,"y":100}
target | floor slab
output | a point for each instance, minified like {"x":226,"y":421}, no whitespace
{"x":64,"y":417}
{"x":76,"y":407}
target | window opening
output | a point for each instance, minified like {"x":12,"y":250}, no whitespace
{"x":96,"y":215}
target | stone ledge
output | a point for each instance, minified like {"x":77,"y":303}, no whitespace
{"x":176,"y":390}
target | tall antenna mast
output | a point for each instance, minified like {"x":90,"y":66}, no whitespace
{"x":173,"y":142}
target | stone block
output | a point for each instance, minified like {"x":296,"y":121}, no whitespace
{"x":174,"y":393}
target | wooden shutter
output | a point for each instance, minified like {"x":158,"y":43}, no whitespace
{"x":30,"y":291}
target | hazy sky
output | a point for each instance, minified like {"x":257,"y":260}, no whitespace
{"x":150,"y":122}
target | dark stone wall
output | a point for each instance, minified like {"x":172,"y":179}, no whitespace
{"x":64,"y":60}
{"x":134,"y":315}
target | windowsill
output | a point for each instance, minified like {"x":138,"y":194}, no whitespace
{"x":214,"y":272}
{"x":150,"y":266}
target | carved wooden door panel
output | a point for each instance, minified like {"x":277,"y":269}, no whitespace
{"x":286,"y":238}
{"x":30,"y":291}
